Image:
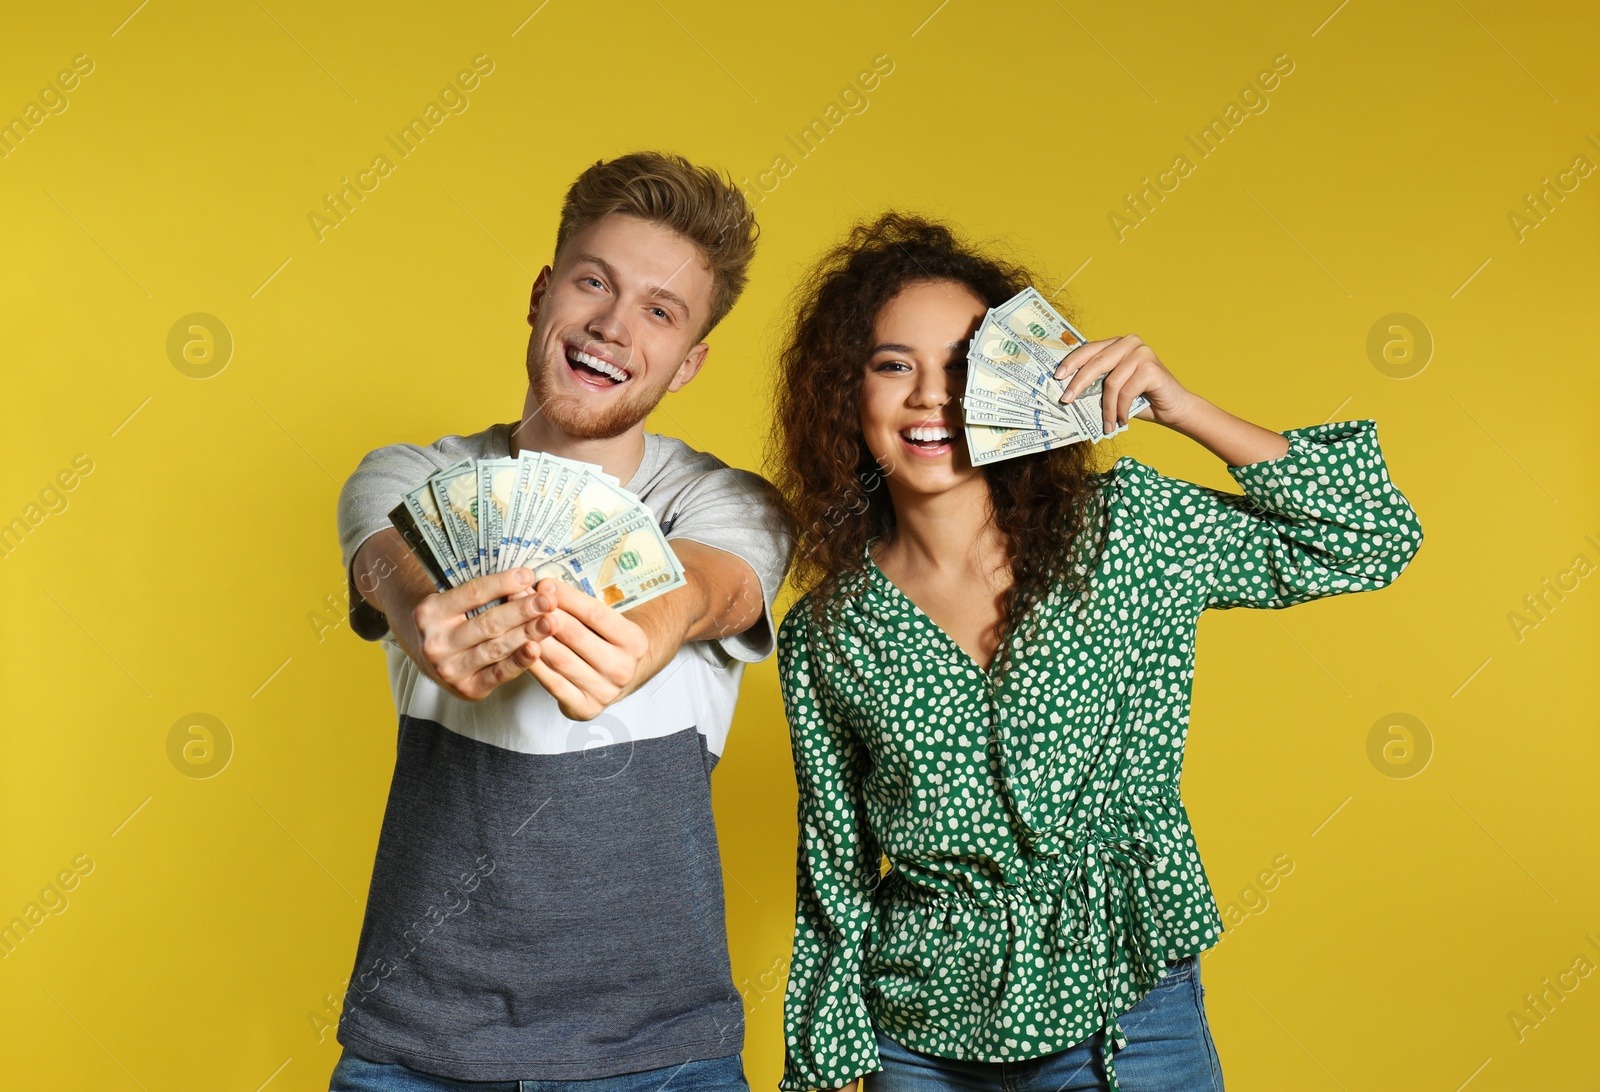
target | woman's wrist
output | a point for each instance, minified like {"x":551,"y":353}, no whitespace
{"x":1232,"y":439}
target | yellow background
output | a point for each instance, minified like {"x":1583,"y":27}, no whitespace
{"x":187,"y":571}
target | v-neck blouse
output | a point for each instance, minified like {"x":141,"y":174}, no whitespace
{"x":1042,"y":867}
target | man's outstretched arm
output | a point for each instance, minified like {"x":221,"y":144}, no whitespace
{"x":468,"y":657}
{"x":590,"y":655}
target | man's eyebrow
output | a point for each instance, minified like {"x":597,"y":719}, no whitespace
{"x":655,"y":291}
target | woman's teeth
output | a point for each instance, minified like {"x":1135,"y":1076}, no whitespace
{"x":927,"y":435}
{"x":611,"y":371}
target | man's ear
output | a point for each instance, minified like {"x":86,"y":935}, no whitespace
{"x":541,"y":285}
{"x":690,"y":367}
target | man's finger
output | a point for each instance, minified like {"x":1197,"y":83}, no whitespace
{"x":575,"y":669}
{"x":559,"y":687}
{"x":572,"y":633}
{"x":604,"y":620}
{"x":503,"y":619}
{"x":496,"y":648}
{"x":481,"y":683}
{"x":485,"y":589}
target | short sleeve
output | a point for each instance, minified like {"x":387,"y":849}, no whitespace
{"x":1322,"y":519}
{"x":828,"y":1031}
{"x":739,"y":512}
{"x":379,"y":482}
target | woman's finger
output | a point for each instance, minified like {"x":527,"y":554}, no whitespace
{"x":1076,"y":356}
{"x":1104,"y":359}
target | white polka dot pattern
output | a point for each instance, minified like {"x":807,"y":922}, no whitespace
{"x":1043,"y":867}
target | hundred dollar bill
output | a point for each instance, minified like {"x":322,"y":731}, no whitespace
{"x":1038,"y":327}
{"x":410,"y":529}
{"x":986,"y":444}
{"x":532,"y":471}
{"x":495,"y":479}
{"x":456,"y":491}
{"x":622,"y":563}
{"x":593,"y":502}
{"x":1012,"y":403}
{"x":555,"y":487}
{"x":1001,"y":352}
{"x":1037,"y":419}
{"x":423,"y":513}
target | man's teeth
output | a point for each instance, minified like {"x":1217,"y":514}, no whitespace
{"x":927,"y":435}
{"x":599,"y":365}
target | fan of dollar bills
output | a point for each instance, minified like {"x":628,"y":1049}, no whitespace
{"x":1013,"y":401}
{"x":558,"y":517}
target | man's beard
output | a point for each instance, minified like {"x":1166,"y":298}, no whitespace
{"x":566,"y":412}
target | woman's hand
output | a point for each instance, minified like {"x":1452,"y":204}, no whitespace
{"x":1131,"y":368}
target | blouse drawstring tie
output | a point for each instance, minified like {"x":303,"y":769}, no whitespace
{"x":1107,"y":875}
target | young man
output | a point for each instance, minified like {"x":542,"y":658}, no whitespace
{"x":546,"y":903}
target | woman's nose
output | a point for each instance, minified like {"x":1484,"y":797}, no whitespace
{"x":931,"y":389}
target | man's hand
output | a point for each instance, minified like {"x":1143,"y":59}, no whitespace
{"x":591,"y":654}
{"x":470,"y":657}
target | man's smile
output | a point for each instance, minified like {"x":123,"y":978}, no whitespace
{"x":594,"y":369}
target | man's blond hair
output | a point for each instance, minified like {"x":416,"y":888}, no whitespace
{"x":697,"y":203}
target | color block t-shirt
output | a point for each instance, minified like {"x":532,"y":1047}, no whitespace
{"x":546,"y":903}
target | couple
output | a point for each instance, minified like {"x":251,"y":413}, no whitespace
{"x":987,"y":683}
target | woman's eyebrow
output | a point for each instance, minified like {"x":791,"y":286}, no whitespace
{"x":891,"y":347}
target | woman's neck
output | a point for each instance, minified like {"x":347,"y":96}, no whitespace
{"x":947,"y":532}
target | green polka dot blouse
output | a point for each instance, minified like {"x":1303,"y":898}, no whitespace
{"x":1043,"y":869}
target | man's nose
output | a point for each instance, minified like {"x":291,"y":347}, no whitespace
{"x":608,"y":324}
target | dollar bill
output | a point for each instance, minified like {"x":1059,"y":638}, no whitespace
{"x":495,"y":479}
{"x":564,"y":518}
{"x":455,"y":491}
{"x":1012,"y":403}
{"x":427,"y":525}
{"x":622,"y":563}
{"x":987,"y":444}
{"x":410,"y":530}
{"x":1038,"y":327}
{"x":589,"y":505}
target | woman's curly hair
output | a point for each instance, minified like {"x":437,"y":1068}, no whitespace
{"x":831,"y":484}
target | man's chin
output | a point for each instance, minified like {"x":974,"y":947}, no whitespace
{"x":580,"y":419}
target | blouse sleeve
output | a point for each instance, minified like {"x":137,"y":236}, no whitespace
{"x":827,"y":1031}
{"x":1322,"y":519}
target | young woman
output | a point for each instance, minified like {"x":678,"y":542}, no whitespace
{"x":988,"y":682}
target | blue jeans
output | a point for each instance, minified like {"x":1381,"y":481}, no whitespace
{"x":1169,"y":1050}
{"x":356,"y":1074}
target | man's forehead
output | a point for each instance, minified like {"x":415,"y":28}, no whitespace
{"x":629,"y":243}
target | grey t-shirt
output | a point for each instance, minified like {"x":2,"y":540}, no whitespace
{"x":546,"y":903}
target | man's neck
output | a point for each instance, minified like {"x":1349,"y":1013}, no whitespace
{"x":618,"y":456}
